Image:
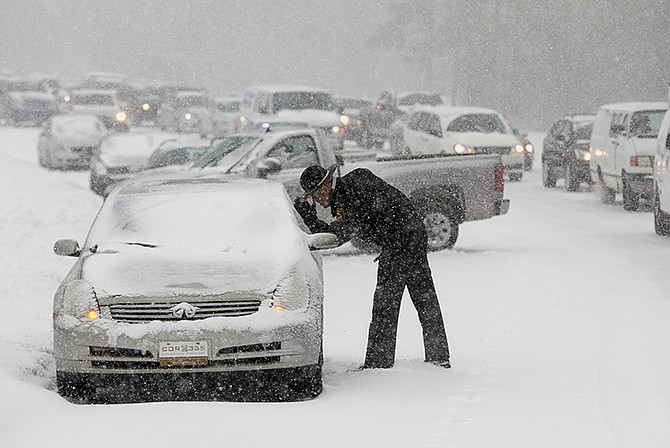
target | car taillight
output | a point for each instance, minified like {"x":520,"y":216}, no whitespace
{"x":500,"y":178}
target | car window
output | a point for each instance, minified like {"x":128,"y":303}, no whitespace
{"x":582,"y":130}
{"x":93,"y":100}
{"x":414,"y":121}
{"x":486,"y":123}
{"x":646,"y":123}
{"x":301,"y":100}
{"x":226,"y":152}
{"x":434,"y":127}
{"x":618,"y":124}
{"x":295,"y":152}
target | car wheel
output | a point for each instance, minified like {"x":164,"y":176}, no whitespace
{"x":661,"y":219}
{"x":75,"y":388}
{"x":548,"y":178}
{"x":441,"y":226}
{"x":515,"y":177}
{"x":571,"y":181}
{"x":631,"y":200}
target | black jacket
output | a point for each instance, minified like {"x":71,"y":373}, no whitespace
{"x":368,"y":207}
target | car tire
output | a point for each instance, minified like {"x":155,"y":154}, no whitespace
{"x":631,"y":200}
{"x":441,"y":225}
{"x":515,"y":177}
{"x":548,"y":178}
{"x":571,"y":180}
{"x":661,"y":219}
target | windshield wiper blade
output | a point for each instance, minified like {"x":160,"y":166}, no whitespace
{"x":141,"y":244}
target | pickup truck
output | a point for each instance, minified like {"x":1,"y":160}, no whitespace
{"x":449,"y":190}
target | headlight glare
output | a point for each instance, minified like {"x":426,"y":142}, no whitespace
{"x":121,"y":116}
{"x":459,"y":149}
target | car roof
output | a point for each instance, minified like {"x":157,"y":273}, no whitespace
{"x":93,"y":92}
{"x":276,"y":88}
{"x":636,"y":106}
{"x":70,"y":117}
{"x":214,"y":182}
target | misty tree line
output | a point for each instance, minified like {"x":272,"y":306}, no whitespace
{"x":534,"y":60}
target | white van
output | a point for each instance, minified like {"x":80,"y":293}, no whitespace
{"x":662,"y":178}
{"x":622,"y":150}
{"x":297,"y":103}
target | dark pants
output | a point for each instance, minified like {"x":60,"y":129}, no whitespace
{"x":395,"y":271}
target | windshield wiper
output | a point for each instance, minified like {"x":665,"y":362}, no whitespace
{"x":141,"y":244}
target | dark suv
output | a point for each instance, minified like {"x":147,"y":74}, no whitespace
{"x":565,"y":152}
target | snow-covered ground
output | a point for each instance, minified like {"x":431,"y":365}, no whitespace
{"x":557,"y":314}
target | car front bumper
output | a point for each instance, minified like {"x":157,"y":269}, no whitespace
{"x":249,"y":343}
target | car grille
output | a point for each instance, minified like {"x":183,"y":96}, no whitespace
{"x":145,"y":312}
{"x":492,"y":150}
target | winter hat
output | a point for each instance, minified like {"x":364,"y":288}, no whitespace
{"x":313,"y":177}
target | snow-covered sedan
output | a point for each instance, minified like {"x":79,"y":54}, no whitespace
{"x":68,"y":141}
{"x":202,"y":288}
{"x":463,"y":130}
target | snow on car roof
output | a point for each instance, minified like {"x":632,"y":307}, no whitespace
{"x":93,"y":92}
{"x":287,"y":88}
{"x":636,"y":106}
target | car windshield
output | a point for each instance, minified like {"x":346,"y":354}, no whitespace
{"x":193,"y":101}
{"x":94,"y":99}
{"x":420,"y":98}
{"x":646,"y":123}
{"x":485,"y":123}
{"x":582,"y":130}
{"x":238,"y":221}
{"x":175,"y":156}
{"x":24,"y":86}
{"x":226,"y":152}
{"x":302,"y":100}
{"x":228,"y":107}
{"x":351,"y":103}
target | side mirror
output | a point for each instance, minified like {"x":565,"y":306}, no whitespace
{"x":268,"y":166}
{"x":67,"y":248}
{"x":320,"y":241}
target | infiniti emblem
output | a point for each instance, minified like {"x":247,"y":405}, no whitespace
{"x":183,"y":310}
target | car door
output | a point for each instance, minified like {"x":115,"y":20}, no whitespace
{"x":412,"y":132}
{"x":661,"y":162}
{"x":551,"y":145}
{"x":616,"y":145}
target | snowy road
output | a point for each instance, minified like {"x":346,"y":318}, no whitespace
{"x":557,"y":316}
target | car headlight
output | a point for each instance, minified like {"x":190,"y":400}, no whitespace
{"x":459,"y":149}
{"x":582,"y":155}
{"x":529,"y":147}
{"x":291,"y":294}
{"x":80,"y":301}
{"x":121,"y":116}
{"x":146,"y":106}
{"x":518,"y":148}
{"x":188,"y":116}
{"x":344,"y":119}
{"x":336,"y":130}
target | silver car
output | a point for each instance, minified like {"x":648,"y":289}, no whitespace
{"x":192,"y":289}
{"x":69,"y":141}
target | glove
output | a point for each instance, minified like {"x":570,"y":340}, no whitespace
{"x":306,"y":210}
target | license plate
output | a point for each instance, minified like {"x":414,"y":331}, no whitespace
{"x":180,"y":353}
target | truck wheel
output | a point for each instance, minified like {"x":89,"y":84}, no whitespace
{"x":661,"y":219}
{"x":631,"y":200}
{"x":571,"y":181}
{"x":441,"y":226}
{"x":548,"y":178}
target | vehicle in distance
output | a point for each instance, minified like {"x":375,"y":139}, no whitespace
{"x":229,"y":303}
{"x":662,"y":178}
{"x":623,"y":144}
{"x":104,"y":104}
{"x":25,"y":102}
{"x":464,"y":130}
{"x":68,"y":141}
{"x":566,"y":152}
